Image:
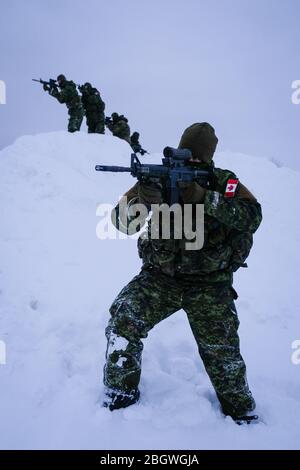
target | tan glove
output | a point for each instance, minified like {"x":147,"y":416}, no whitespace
{"x":149,"y":193}
{"x":191,"y":192}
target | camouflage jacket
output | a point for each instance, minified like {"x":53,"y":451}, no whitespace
{"x":92,"y":102}
{"x":229,"y":224}
{"x":120,"y":129}
{"x":68,"y":95}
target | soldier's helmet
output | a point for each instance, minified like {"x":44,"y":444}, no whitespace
{"x":61,"y":79}
{"x":135,"y":136}
{"x":114,"y":116}
{"x":201,"y":140}
{"x":87,"y":86}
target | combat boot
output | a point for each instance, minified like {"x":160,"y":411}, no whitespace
{"x":116,"y":399}
{"x":247,"y":419}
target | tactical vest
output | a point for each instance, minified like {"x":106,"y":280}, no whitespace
{"x":73,"y":100}
{"x":92,"y":102}
{"x":223,"y":252}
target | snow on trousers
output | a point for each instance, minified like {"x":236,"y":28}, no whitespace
{"x":151,"y":297}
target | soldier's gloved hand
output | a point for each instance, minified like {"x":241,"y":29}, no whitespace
{"x":46,"y":87}
{"x":191,"y":192}
{"x":53,"y":92}
{"x":149,"y":193}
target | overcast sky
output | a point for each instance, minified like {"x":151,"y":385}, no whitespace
{"x":163,"y":63}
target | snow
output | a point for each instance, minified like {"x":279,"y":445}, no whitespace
{"x":57,"y":281}
{"x":117,"y":343}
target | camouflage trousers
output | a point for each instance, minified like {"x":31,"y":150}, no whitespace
{"x":75,"y":119}
{"x":122,"y":136}
{"x":95,"y":124}
{"x":151,"y":297}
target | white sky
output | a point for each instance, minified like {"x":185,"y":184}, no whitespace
{"x":163,"y":63}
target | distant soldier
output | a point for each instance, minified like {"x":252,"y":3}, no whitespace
{"x":118,"y":125}
{"x":110,"y":122}
{"x":94,"y":108}
{"x":135,"y":144}
{"x":68,"y":94}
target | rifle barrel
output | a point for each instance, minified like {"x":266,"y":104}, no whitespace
{"x":117,"y":169}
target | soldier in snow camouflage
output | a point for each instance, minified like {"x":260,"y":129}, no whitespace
{"x":118,"y":125}
{"x":94,"y":108}
{"x":198,"y":281}
{"x":68,"y":94}
{"x":135,"y":144}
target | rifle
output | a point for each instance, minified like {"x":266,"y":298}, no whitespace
{"x":138,"y":149}
{"x":52,"y":83}
{"x":108,"y":120}
{"x":174,"y":169}
{"x":80,"y":87}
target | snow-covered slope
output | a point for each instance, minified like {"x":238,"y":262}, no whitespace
{"x":57,"y":281}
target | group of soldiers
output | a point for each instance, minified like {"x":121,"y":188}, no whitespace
{"x":173,"y":277}
{"x":91,"y":105}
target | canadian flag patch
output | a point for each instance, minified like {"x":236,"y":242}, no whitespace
{"x":231,"y":188}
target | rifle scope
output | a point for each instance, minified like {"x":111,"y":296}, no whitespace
{"x":177,"y":154}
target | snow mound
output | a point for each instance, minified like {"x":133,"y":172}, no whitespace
{"x":57,"y":281}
